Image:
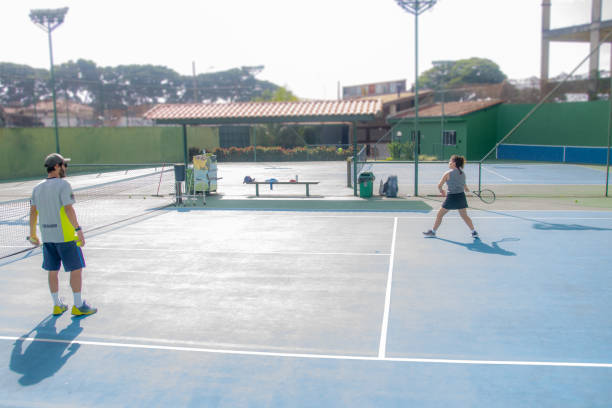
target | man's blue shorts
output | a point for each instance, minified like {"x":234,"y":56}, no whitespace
{"x":66,"y":253}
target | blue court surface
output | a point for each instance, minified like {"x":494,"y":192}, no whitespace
{"x":500,"y":173}
{"x":315,"y":309}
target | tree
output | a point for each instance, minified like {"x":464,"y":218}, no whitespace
{"x":453,"y":74}
{"x":276,"y":134}
{"x":281,"y":94}
{"x":127,"y":85}
{"x":21,"y":85}
{"x":234,"y":85}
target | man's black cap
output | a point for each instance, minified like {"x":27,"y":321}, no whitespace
{"x":55,"y":158}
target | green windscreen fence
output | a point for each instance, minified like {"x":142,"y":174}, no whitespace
{"x":537,"y":140}
{"x":559,"y":146}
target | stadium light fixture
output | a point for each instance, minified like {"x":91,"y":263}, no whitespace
{"x":416,"y":7}
{"x":49,"y":20}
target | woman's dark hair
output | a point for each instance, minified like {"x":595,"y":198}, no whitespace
{"x":459,"y":161}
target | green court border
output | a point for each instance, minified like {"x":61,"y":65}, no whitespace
{"x":313,"y":204}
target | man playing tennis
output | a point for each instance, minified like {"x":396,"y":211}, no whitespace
{"x":455,"y":199}
{"x":52,"y":200}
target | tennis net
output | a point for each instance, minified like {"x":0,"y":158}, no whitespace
{"x":97,"y":204}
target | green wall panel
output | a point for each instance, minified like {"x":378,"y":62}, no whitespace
{"x":481,"y":131}
{"x":22,"y":150}
{"x":565,"y":124}
{"x":431,"y":140}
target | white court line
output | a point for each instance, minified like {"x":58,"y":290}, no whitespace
{"x":314,"y":356}
{"x":508,"y":217}
{"x":385,"y":323}
{"x":199,"y":251}
{"x":497,"y":174}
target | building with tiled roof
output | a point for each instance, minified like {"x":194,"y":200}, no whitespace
{"x":235,"y":120}
{"x":68,"y":113}
{"x":467,"y":128}
{"x":449,"y":109}
{"x":344,"y":111}
{"x":377,"y":133}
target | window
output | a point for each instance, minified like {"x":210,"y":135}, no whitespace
{"x":449,"y":138}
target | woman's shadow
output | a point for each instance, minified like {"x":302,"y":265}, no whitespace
{"x":46,"y":353}
{"x":479,"y":246}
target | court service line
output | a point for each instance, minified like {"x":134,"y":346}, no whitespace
{"x":497,"y":174}
{"x":385,"y":322}
{"x":312,"y":356}
{"x":199,"y":251}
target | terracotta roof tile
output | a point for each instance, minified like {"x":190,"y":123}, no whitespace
{"x":450,"y":109}
{"x":394,"y":97}
{"x":243,"y":111}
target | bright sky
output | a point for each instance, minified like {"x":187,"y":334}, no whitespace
{"x":307,"y":46}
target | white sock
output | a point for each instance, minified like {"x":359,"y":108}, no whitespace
{"x":78,"y":302}
{"x":56,"y":299}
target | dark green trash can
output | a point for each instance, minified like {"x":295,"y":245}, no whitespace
{"x":366,"y":184}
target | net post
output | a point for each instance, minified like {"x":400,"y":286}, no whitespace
{"x":185,"y":153}
{"x":348,"y":172}
{"x":180,"y":171}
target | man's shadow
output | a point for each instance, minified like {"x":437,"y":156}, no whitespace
{"x":46,"y":354}
{"x":479,"y":246}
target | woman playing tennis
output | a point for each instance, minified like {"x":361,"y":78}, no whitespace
{"x":455,"y":198}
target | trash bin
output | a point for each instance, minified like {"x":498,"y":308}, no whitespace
{"x":366,"y":184}
{"x":179,"y":172}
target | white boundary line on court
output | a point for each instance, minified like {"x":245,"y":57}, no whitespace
{"x":496,"y":173}
{"x":382,"y":348}
{"x":237,"y":252}
{"x":315,"y":356}
{"x":429,"y":215}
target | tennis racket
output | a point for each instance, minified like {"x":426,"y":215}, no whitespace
{"x":486,"y":196}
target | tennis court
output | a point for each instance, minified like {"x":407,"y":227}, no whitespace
{"x":302,"y":308}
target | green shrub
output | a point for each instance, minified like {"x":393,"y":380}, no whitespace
{"x":401,"y":151}
{"x":280,"y":154}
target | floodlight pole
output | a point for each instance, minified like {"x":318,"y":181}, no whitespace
{"x":416,"y":7}
{"x":49,"y":20}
